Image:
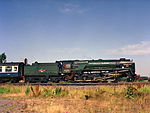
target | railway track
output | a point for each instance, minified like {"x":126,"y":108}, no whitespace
{"x":79,"y":84}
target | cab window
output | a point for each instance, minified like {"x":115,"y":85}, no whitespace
{"x":0,"y":68}
{"x":8,"y":69}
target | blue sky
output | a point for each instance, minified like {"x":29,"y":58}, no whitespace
{"x":50,"y":30}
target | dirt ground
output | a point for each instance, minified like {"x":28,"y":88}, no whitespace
{"x":11,"y":106}
{"x":75,"y":100}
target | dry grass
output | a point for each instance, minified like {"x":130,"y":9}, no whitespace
{"x":52,"y":99}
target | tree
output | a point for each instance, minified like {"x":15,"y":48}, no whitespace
{"x":2,"y":58}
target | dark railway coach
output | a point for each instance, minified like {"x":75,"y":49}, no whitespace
{"x":11,"y":72}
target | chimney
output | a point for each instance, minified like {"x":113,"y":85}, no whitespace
{"x":25,"y":61}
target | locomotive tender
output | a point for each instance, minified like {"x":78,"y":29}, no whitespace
{"x":73,"y":70}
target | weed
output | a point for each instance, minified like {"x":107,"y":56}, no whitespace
{"x":37,"y":91}
{"x":64,"y":93}
{"x":32,"y":90}
{"x":114,"y":91}
{"x":25,"y":106}
{"x":98,"y":90}
{"x":27,"y":91}
{"x":55,"y":92}
{"x":139,"y":85}
{"x":13,"y":89}
{"x":130,"y":92}
{"x":58,"y":91}
{"x":144,"y":90}
{"x":4,"y":90}
{"x":89,"y":110}
{"x":81,"y":99}
{"x":47,"y":92}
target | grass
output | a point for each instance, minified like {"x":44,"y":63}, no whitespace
{"x":4,"y":90}
{"x":104,"y":99}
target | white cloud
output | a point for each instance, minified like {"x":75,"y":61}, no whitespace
{"x":141,"y":48}
{"x":72,"y":8}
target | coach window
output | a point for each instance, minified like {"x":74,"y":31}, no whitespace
{"x":0,"y":68}
{"x":8,"y":69}
{"x":15,"y":69}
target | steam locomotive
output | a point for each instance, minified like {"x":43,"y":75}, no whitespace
{"x":69,"y":70}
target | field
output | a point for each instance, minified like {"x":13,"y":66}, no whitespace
{"x":73,"y":99}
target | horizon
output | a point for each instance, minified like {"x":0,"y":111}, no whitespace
{"x":50,"y":30}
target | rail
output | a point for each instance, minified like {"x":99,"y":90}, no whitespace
{"x":79,"y":84}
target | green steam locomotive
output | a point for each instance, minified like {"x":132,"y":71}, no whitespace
{"x":81,"y":70}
